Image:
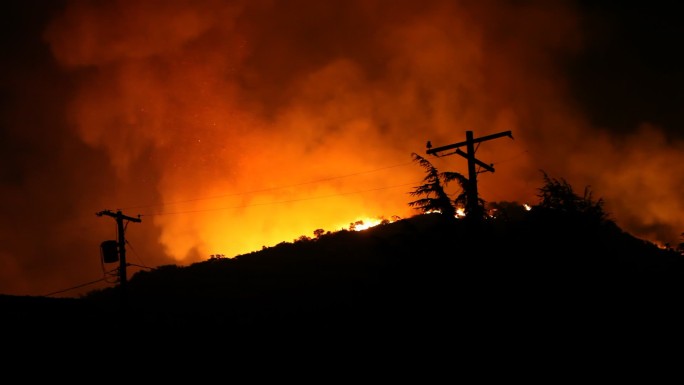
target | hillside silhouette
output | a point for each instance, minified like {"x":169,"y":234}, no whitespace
{"x":424,"y":273}
{"x":555,"y":271}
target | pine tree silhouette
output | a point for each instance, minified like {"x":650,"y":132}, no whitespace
{"x":433,"y":190}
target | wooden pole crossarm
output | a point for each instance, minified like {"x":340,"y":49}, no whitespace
{"x":480,"y":163}
{"x":473,"y":210}
{"x":434,"y":151}
{"x":118,"y":214}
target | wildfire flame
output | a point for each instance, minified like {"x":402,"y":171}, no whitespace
{"x":230,"y":125}
{"x":367,"y":223}
{"x":460,"y":212}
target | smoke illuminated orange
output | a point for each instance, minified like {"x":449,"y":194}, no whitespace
{"x":233,"y":125}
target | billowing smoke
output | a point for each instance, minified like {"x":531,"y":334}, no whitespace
{"x":232,"y":125}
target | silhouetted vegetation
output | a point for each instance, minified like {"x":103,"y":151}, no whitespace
{"x":435,"y":197}
{"x":558,"y":195}
{"x":526,"y":272}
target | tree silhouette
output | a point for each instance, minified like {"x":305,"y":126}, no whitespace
{"x":318,"y":233}
{"x":558,"y":195}
{"x":435,"y":196}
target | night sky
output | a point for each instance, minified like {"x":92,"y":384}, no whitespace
{"x":233,"y":125}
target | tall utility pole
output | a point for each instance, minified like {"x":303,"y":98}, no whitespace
{"x":472,"y":206}
{"x":120,"y":217}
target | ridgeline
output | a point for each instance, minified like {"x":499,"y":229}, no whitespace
{"x":523,"y":275}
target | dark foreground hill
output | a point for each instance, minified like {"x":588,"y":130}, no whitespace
{"x":543,"y":277}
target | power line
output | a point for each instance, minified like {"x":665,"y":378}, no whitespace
{"x":267,"y":189}
{"x":107,"y":275}
{"x":141,"y":266}
{"x":278,"y":202}
{"x":75,"y":287}
{"x":91,"y":282}
{"x":136,"y":254}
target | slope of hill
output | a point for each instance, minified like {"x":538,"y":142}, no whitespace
{"x":541,"y":275}
{"x":415,"y":267}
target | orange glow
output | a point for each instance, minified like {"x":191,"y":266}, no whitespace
{"x":233,"y":125}
{"x":367,"y":223}
{"x":290,"y":141}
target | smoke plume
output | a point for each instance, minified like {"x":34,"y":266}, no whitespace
{"x":232,"y":125}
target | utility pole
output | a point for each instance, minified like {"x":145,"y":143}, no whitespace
{"x":472,"y":206}
{"x":120,"y":217}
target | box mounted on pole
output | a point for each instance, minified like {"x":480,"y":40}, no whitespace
{"x":119,"y":217}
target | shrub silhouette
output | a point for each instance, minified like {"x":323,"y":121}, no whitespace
{"x":558,"y":195}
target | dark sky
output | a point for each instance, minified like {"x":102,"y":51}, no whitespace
{"x":630,"y":70}
{"x":230,"y":125}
